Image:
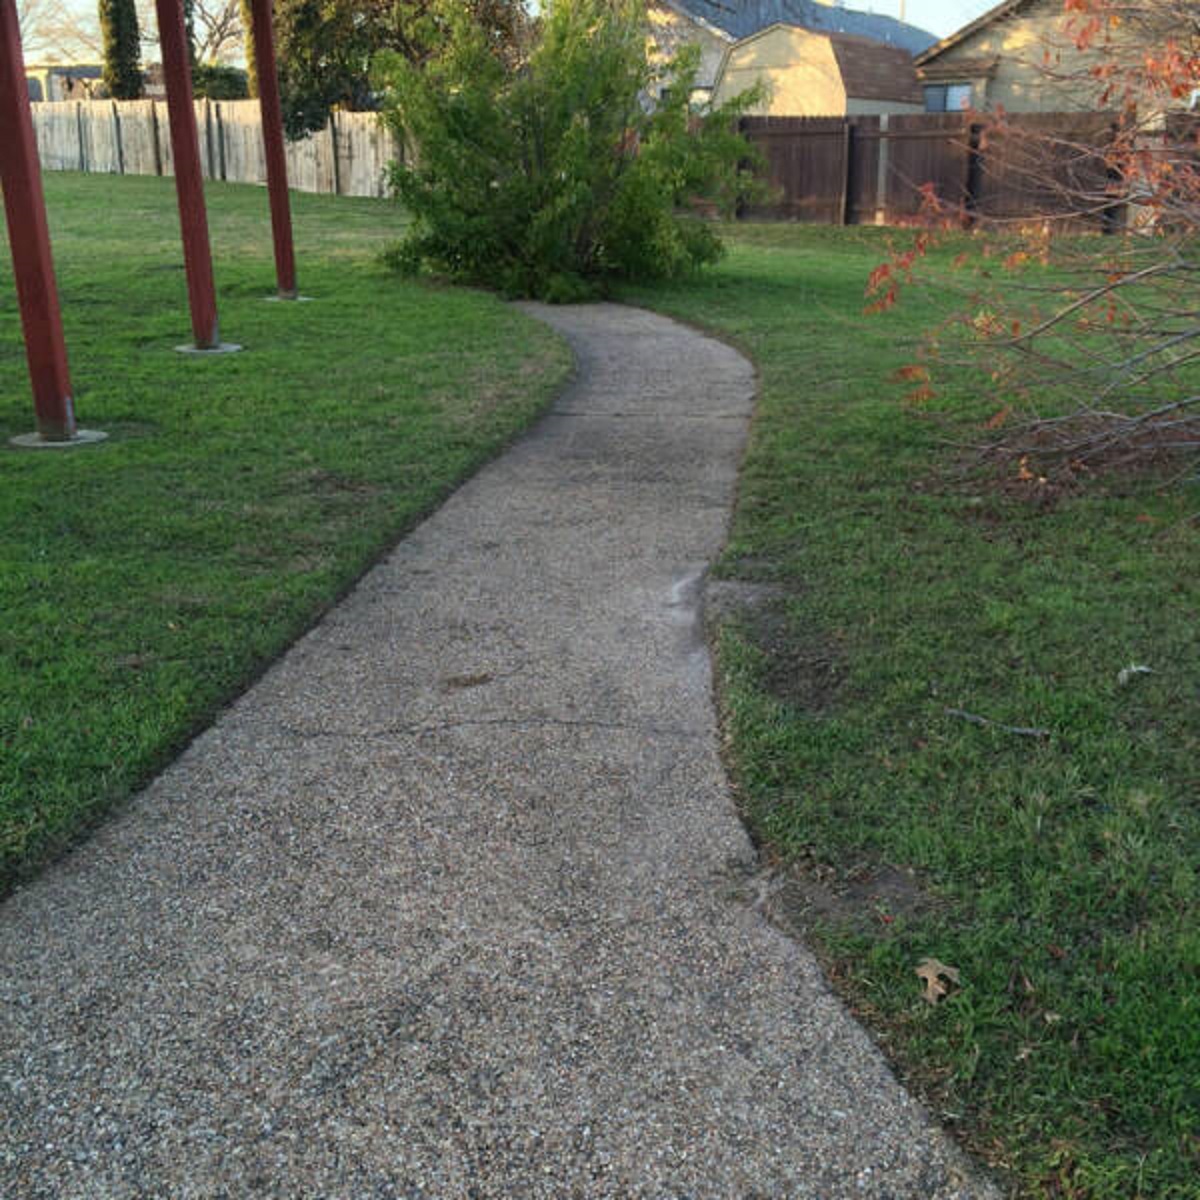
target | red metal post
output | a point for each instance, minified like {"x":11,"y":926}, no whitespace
{"x":272,"y":126}
{"x":189,"y":183}
{"x":29,"y":237}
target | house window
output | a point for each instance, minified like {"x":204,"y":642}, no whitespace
{"x":947,"y":97}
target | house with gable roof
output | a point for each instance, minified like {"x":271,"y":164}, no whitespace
{"x":1022,"y":56}
{"x":811,"y":74}
{"x":717,"y":26}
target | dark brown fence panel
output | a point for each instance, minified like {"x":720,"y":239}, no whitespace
{"x":1181,"y":149}
{"x":1183,"y":133}
{"x":806,"y":161}
{"x":927,"y":149}
{"x":857,"y":170}
{"x":1038,"y":165}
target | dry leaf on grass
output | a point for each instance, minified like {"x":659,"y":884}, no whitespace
{"x":1127,"y":674}
{"x":937,"y":976}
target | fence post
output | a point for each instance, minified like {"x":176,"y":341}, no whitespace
{"x":116,"y":116}
{"x":1113,"y":216}
{"x":79,"y":133}
{"x":881,"y":175}
{"x":158,"y":163}
{"x":974,"y":163}
{"x":333,"y":149}
{"x":847,"y":197}
{"x":220,"y":142}
{"x":208,"y":138}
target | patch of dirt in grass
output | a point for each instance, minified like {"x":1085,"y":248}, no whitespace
{"x":134,"y":662}
{"x":998,"y":482}
{"x":307,"y":564}
{"x":867,"y":900}
{"x":800,"y":668}
{"x":751,"y":570}
{"x":321,"y":482}
{"x":183,"y":599}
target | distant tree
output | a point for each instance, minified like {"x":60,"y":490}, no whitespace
{"x":216,"y":29}
{"x":122,"y":49}
{"x":326,"y":47}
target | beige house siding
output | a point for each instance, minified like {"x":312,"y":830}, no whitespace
{"x":671,"y":30}
{"x":1025,"y":61}
{"x":797,"y":67}
{"x":876,"y":108}
{"x":811,"y":74}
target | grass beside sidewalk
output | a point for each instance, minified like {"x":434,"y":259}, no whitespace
{"x":1057,"y":875}
{"x":145,"y":581}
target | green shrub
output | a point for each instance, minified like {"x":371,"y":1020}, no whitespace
{"x":547,"y":177}
{"x":219,"y":82}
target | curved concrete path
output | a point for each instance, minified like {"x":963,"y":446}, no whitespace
{"x":448,"y":904}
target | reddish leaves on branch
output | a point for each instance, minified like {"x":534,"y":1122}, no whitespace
{"x":883,"y":282}
{"x":1105,"y":322}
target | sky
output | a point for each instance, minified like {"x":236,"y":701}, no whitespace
{"x":938,"y":16}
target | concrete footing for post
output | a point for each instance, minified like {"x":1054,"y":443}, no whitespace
{"x":280,"y":299}
{"x":35,"y":441}
{"x":219,"y":348}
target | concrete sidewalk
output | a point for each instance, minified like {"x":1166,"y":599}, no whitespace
{"x":448,"y":905}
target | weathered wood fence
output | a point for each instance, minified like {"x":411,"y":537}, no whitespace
{"x":873,"y":169}
{"x":348,"y":157}
{"x":838,"y":170}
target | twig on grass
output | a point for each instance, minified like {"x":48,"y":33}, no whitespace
{"x":1113,"y":438}
{"x":976,"y":719}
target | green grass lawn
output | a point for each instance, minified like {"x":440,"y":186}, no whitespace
{"x":145,"y":581}
{"x":1058,"y":875}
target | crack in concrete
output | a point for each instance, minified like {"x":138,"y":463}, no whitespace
{"x":415,"y":729}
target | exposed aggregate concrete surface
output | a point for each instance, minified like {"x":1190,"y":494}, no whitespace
{"x":453,"y":902}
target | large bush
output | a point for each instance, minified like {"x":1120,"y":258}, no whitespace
{"x":581,"y":164}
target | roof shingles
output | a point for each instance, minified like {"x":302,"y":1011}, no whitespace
{"x":742,"y":18}
{"x":872,"y":71}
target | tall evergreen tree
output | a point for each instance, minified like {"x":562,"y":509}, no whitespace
{"x":248,"y":41}
{"x":122,"y":49}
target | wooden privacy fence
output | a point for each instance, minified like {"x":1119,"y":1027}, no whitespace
{"x":872,"y":169}
{"x":349,"y":157}
{"x":837,"y":170}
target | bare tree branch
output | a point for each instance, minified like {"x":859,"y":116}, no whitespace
{"x":217,"y":25}
{"x":53,"y":31}
{"x":1090,"y":315}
